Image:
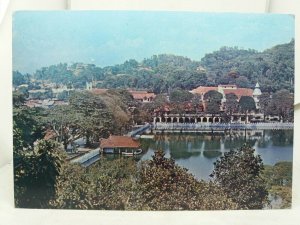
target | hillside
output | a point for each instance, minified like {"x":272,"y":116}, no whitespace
{"x":272,"y":68}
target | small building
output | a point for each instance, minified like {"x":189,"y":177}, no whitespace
{"x":120,"y":145}
{"x":99,"y":91}
{"x":142,"y":96}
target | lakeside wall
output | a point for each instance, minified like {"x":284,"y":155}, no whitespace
{"x":186,"y":127}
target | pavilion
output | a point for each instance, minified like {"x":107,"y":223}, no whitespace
{"x":119,"y":145}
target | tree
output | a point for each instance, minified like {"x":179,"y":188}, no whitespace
{"x":27,"y":126}
{"x":157,"y":184}
{"x":264,"y":103}
{"x":246,"y":104}
{"x":118,"y":102}
{"x":283,"y":102}
{"x":197,"y":103}
{"x":62,"y":121}
{"x":279,"y":180}
{"x":239,"y":172}
{"x":213,"y":101}
{"x":112,"y":188}
{"x":36,"y":173}
{"x":18,"y":78}
{"x":93,"y":118}
{"x":167,"y":186}
{"x":242,"y":82}
{"x":180,"y":96}
{"x":36,"y":164}
{"x":273,"y":68}
{"x":63,"y":95}
{"x":179,"y":99}
{"x":160,"y":101}
{"x":231,"y":104}
{"x":90,"y":116}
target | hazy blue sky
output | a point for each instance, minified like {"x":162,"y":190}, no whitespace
{"x":111,"y":37}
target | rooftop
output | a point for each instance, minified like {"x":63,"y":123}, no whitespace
{"x":239,"y":92}
{"x":119,"y":142}
{"x":98,"y":91}
{"x":203,"y":90}
{"x":226,"y":89}
{"x":141,"y":94}
{"x":50,"y":134}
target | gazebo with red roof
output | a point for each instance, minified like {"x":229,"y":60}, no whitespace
{"x":119,"y":145}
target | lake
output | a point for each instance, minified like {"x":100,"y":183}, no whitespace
{"x":198,"y":152}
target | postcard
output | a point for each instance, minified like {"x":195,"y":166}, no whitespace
{"x":148,"y":110}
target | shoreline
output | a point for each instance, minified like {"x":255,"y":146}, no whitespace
{"x":200,"y":127}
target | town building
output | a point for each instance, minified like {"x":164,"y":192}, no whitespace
{"x":230,"y":89}
{"x":192,"y":114}
{"x":88,"y":85}
{"x":142,"y":96}
{"x":119,"y":145}
{"x":61,"y":91}
{"x":44,"y":103}
{"x":224,"y":90}
{"x":98,"y":91}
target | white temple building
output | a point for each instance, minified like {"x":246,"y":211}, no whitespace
{"x":256,"y":94}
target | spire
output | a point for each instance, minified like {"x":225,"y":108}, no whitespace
{"x":257,"y":90}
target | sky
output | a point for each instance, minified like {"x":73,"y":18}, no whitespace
{"x":107,"y":38}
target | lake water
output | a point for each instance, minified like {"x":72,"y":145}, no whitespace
{"x":198,"y":152}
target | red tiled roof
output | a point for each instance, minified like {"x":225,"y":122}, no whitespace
{"x":228,"y":85}
{"x":141,"y":94}
{"x":239,"y":92}
{"x":138,"y":92}
{"x":98,"y":91}
{"x":59,"y":102}
{"x":203,"y":90}
{"x":33,"y":103}
{"x":50,"y":134}
{"x":119,"y":142}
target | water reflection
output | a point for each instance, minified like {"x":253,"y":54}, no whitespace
{"x":198,"y":152}
{"x":211,"y":154}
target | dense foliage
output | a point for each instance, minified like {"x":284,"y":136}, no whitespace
{"x":213,"y":101}
{"x":27,"y":126}
{"x":272,"y":68}
{"x":180,"y":96}
{"x":246,"y":104}
{"x":35,"y":174}
{"x":163,"y":185}
{"x":157,"y":184}
{"x":279,"y":182}
{"x":90,"y":116}
{"x":239,"y":173}
{"x":106,"y":185}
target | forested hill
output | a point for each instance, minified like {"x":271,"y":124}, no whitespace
{"x":272,"y":68}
